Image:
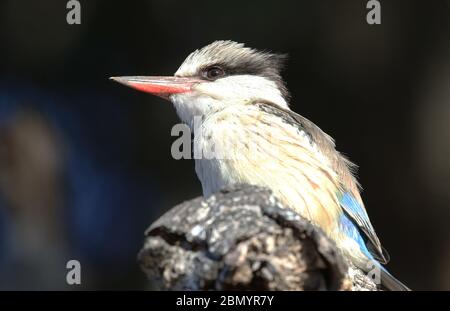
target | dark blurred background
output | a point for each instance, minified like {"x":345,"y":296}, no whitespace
{"x":85,"y":164}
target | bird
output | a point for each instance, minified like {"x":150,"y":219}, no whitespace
{"x":235,"y":100}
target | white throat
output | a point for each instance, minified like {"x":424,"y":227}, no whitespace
{"x":211,"y":97}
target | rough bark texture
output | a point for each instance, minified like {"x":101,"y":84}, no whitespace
{"x":243,"y":238}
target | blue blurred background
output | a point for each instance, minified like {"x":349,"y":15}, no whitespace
{"x":85,"y":164}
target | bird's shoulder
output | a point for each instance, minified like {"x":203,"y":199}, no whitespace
{"x":324,"y":142}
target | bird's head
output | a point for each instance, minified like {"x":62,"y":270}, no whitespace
{"x":220,"y":74}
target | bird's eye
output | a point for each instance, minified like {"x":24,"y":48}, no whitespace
{"x":213,"y":73}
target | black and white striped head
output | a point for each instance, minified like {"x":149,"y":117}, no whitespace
{"x":228,"y":58}
{"x":220,"y":74}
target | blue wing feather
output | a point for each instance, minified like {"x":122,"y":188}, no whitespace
{"x":353,"y":232}
{"x":357,"y":214}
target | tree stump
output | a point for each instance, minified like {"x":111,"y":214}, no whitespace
{"x":243,"y":239}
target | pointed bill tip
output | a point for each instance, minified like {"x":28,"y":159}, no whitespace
{"x":122,"y":80}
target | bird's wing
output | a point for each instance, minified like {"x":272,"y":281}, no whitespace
{"x":357,"y":213}
{"x":352,"y":207}
{"x":315,"y":134}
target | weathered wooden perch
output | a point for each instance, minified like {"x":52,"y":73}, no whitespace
{"x":243,"y":238}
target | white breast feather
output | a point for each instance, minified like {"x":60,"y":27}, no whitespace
{"x":260,"y":149}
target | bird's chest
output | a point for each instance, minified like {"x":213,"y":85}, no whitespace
{"x":216,"y":152}
{"x":243,"y":148}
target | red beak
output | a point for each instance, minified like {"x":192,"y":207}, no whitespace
{"x":159,"y":86}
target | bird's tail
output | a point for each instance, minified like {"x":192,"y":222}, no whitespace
{"x":389,"y":282}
